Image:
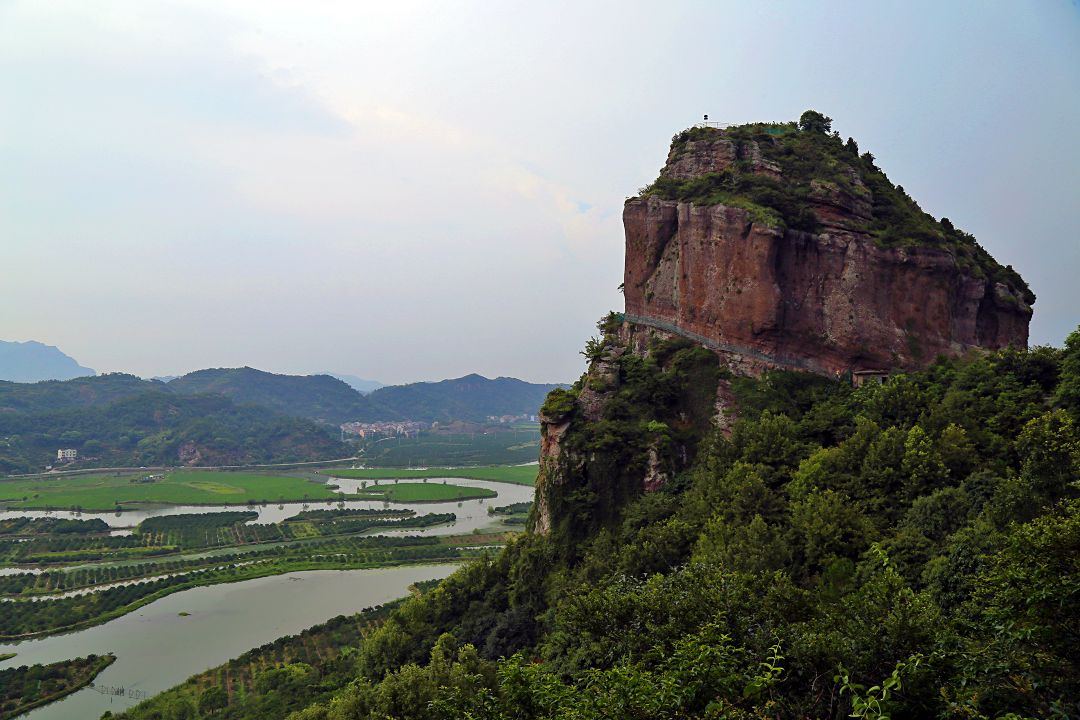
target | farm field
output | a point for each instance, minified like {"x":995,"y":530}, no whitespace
{"x":182,"y":487}
{"x":507,"y":447}
{"x":425,"y":492}
{"x":517,"y":474}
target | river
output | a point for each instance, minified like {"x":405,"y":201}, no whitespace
{"x":471,"y":513}
{"x":156,"y":648}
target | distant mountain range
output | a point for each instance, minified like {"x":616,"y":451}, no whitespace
{"x":226,"y":415}
{"x":33,"y":361}
{"x":325,"y":398}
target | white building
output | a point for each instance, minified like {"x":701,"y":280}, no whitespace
{"x":67,"y":455}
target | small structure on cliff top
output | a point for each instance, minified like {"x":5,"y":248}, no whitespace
{"x":705,"y":123}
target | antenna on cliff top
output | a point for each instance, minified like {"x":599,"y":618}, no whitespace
{"x":706,"y":117}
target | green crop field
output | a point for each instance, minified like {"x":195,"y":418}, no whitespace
{"x":517,"y":474}
{"x":505,"y":447}
{"x":183,"y":487}
{"x":425,"y":492}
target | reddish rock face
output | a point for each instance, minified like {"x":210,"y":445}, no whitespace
{"x":825,"y":302}
{"x":699,"y":157}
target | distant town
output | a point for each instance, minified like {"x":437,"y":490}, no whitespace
{"x":406,"y":428}
{"x":412,"y":428}
{"x":507,"y":419}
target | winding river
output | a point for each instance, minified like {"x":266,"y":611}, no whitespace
{"x":157,"y":648}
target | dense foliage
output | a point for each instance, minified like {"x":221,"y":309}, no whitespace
{"x":28,"y":686}
{"x":49,"y":525}
{"x":813,"y":164}
{"x":189,"y":521}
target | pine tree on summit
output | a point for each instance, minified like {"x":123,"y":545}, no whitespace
{"x":813,"y":121}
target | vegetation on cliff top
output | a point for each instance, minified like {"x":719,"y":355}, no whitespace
{"x":813,"y":161}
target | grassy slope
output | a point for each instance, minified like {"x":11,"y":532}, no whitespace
{"x":517,"y":474}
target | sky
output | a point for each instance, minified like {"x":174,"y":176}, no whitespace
{"x":419,"y":190}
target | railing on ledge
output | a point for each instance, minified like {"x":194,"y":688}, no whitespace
{"x":790,"y":363}
{"x":717,"y":125}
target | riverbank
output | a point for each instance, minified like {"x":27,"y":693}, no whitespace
{"x":222,"y":622}
{"x":513,"y":474}
{"x":423,"y":555}
{"x":70,"y":675}
{"x":422,"y":493}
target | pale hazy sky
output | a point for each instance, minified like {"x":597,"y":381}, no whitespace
{"x":410,"y":191}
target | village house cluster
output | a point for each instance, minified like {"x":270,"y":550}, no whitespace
{"x":507,"y":419}
{"x":404,"y":428}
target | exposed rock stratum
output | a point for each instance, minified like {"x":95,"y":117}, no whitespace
{"x":835,"y":299}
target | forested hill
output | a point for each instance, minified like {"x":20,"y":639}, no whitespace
{"x":155,"y":427}
{"x":226,"y":416}
{"x":319,"y":397}
{"x":81,"y":392}
{"x":322,"y":397}
{"x":472,"y":397}
{"x":900,"y":550}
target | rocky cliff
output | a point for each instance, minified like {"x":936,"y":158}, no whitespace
{"x":783,"y":247}
{"x":772,"y":246}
